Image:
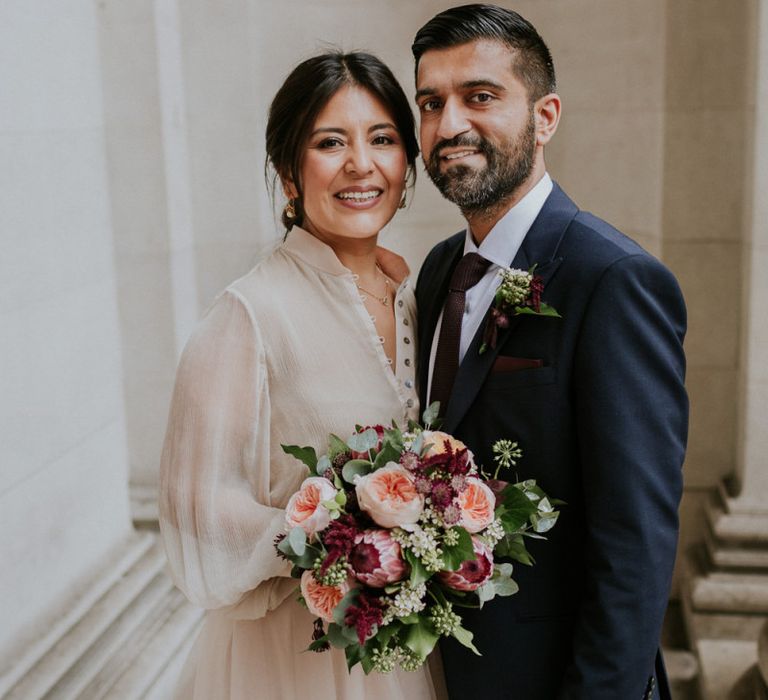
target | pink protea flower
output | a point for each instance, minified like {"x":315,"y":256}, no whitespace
{"x":473,"y":573}
{"x":376,"y":559}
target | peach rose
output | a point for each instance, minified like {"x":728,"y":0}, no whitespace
{"x":305,"y":509}
{"x":437,"y":440}
{"x":389,"y":496}
{"x":321,"y":600}
{"x":477,"y":504}
{"x":473,"y":573}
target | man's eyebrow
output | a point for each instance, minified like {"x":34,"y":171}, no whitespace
{"x":466,"y":85}
{"x":425,"y":91}
{"x":483,"y":82}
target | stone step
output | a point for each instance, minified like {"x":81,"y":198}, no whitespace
{"x":98,"y":660}
{"x":682,"y":670}
{"x":80,"y":639}
{"x":151,"y":652}
{"x":125,"y":557}
{"x":747,"y":528}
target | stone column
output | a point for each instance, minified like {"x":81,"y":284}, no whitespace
{"x":727,"y":602}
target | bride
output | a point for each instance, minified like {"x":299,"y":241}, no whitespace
{"x":316,"y":338}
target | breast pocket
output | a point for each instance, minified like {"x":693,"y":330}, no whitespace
{"x":533,"y":376}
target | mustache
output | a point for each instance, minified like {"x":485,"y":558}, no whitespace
{"x":461,"y":140}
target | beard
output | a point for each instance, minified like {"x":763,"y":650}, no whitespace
{"x":476,"y":191}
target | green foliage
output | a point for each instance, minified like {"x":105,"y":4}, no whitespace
{"x":464,"y":636}
{"x":356,"y":467}
{"x":419,"y":574}
{"x":307,"y":455}
{"x":362,"y":442}
{"x":420,"y":637}
{"x":515,"y":509}
{"x":336,"y":446}
{"x":454,"y":557}
{"x":430,"y":414}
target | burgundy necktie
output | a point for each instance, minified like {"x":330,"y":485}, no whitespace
{"x":468,"y":273}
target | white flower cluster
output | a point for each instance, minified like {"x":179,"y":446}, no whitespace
{"x":493,"y":534}
{"x":384,"y":660}
{"x":409,"y":599}
{"x":424,"y":544}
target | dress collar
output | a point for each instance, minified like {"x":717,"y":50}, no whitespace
{"x":301,"y":244}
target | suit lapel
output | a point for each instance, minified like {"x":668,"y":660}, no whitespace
{"x":539,"y":246}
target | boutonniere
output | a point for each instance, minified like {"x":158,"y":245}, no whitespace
{"x":519,"y":293}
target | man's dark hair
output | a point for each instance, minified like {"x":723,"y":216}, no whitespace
{"x":304,"y":94}
{"x":531,"y":63}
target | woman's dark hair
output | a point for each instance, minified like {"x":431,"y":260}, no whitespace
{"x":304,"y":94}
{"x":532,"y":61}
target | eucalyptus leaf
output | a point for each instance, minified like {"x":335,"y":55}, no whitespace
{"x":464,"y":637}
{"x":544,"y":522}
{"x":355,"y":468}
{"x":505,"y":586}
{"x":418,"y":443}
{"x":431,"y":413}
{"x":323,"y":465}
{"x":298,"y":540}
{"x":336,"y":636}
{"x":307,"y":455}
{"x":340,"y":610}
{"x":362,"y":442}
{"x":486,"y":592}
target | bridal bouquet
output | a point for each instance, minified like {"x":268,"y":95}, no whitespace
{"x":393,"y":529}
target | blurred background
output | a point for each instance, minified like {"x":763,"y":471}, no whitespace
{"x":132,"y":190}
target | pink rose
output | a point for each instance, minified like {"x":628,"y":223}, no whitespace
{"x":376,"y":559}
{"x":305,"y":509}
{"x":473,"y":573}
{"x":477,"y":504}
{"x":389,"y":496}
{"x":321,"y":600}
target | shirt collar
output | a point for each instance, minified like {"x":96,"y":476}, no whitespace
{"x":301,"y":244}
{"x":504,"y":239}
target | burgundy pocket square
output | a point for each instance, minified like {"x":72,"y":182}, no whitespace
{"x":514,"y":364}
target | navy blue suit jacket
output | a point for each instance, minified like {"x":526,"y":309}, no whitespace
{"x":603,"y":426}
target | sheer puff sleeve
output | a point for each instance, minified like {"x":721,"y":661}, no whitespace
{"x":216,"y":519}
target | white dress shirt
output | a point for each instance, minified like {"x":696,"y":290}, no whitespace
{"x":499,"y":247}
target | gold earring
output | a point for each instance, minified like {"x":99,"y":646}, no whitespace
{"x":402,"y":201}
{"x":290,"y":210}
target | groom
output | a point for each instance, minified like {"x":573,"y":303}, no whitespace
{"x":594,"y":397}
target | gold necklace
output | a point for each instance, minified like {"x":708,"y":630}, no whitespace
{"x":383,"y":300}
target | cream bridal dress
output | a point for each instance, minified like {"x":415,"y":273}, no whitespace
{"x":287,"y":354}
